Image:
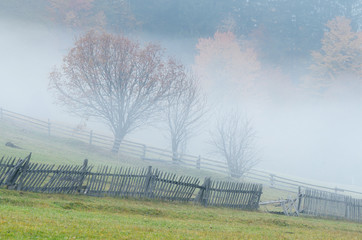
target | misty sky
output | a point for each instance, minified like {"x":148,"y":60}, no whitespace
{"x":317,"y":138}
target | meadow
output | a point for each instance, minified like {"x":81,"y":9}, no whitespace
{"x":26,"y":215}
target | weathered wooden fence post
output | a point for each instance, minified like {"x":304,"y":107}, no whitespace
{"x":149,"y":183}
{"x":299,"y":199}
{"x":19,"y":168}
{"x":204,"y":193}
{"x":90,"y":137}
{"x":82,"y":176}
{"x":49,"y":126}
{"x":198,"y":162}
{"x":23,"y":174}
{"x":348,"y":203}
{"x":144,"y":147}
{"x":272,"y":181}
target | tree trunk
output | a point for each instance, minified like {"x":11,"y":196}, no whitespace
{"x":233,"y":169}
{"x":117,"y":142}
{"x":175,"y":157}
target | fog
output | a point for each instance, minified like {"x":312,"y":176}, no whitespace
{"x":302,"y":135}
{"x":28,"y":53}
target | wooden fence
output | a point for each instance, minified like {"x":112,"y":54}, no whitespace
{"x":149,"y":153}
{"x":151,"y":183}
{"x":230,"y":194}
{"x":325,"y":204}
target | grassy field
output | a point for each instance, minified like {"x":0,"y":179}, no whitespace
{"x":25,"y":215}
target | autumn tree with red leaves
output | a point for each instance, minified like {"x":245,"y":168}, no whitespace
{"x":115,"y":79}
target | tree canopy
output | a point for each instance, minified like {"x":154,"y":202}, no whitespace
{"x":115,"y":79}
{"x":341,"y":52}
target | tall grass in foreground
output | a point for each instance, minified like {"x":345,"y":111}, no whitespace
{"x":25,"y":215}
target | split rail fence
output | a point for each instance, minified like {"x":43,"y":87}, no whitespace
{"x":22,"y":175}
{"x":148,"y":153}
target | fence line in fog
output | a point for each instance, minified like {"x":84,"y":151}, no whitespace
{"x":22,"y":175}
{"x":325,"y":204}
{"x":149,"y":153}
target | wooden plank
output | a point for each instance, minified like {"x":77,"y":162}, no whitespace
{"x":104,"y":179}
{"x":139,"y":184}
{"x":71,"y":180}
{"x":234,"y":195}
{"x":62,"y":175}
{"x":183,"y":186}
{"x":228,"y":193}
{"x":128,"y":180}
{"x":30,"y":177}
{"x":6,"y":166}
{"x":191,"y":189}
{"x":239,"y":195}
{"x":97,"y":183}
{"x":184,"y":189}
{"x":113,"y":176}
{"x":62,"y":186}
{"x":59,"y":181}
{"x":143,"y":180}
{"x":75,"y":179}
{"x":176,"y":187}
{"x":50,"y":184}
{"x":48,"y":170}
{"x":169,"y":187}
{"x":164,"y":176}
{"x":118,"y":179}
{"x":121,"y":182}
{"x":40,"y":170}
{"x":125,"y":179}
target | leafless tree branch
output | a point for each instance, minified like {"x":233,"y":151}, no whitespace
{"x":234,"y":140}
{"x":183,"y":112}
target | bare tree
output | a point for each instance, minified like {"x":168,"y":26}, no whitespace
{"x":234,"y":140}
{"x":115,"y":79}
{"x":183,"y":112}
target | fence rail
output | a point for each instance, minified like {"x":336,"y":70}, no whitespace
{"x":151,"y":183}
{"x":149,"y":153}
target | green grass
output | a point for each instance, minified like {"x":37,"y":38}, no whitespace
{"x":25,"y":215}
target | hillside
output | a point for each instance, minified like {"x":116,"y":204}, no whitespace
{"x":62,"y":150}
{"x":29,"y":215}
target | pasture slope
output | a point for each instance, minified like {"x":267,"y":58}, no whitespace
{"x":25,"y":215}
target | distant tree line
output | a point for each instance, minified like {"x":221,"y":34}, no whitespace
{"x":289,"y":29}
